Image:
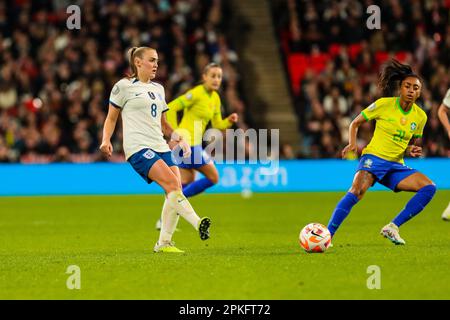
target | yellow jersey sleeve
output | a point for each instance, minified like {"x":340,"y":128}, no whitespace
{"x":217,"y":121}
{"x":178,"y":104}
{"x":375,"y":110}
{"x":421,"y":126}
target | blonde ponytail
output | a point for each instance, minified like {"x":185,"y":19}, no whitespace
{"x":133,"y":53}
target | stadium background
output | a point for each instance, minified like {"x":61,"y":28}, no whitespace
{"x":304,"y":67}
{"x":316,"y":66}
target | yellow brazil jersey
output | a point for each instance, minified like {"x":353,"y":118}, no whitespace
{"x":199,"y":108}
{"x":394,"y":128}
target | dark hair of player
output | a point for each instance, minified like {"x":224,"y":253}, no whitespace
{"x":392,"y":75}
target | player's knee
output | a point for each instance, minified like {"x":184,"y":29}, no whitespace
{"x":429,"y":189}
{"x":214,"y":178}
{"x":187,"y":178}
{"x":171,"y":185}
{"x":186,"y":181}
{"x":358,"y":192}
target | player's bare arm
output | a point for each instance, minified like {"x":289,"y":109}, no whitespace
{"x":415,"y":148}
{"x":175,"y":138}
{"x":233,"y":117}
{"x":108,"y":130}
{"x":443,"y":117}
{"x":353,"y":132}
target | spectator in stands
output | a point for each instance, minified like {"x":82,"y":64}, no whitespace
{"x":335,"y":34}
{"x":72,"y":71}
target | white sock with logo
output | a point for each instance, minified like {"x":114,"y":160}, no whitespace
{"x":169,"y":221}
{"x":180,"y":203}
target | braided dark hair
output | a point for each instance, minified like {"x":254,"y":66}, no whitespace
{"x":392,"y":75}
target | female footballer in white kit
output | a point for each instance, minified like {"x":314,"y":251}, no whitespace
{"x":142,"y":105}
{"x":443,"y":110}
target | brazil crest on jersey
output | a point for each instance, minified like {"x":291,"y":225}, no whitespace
{"x":394,"y":128}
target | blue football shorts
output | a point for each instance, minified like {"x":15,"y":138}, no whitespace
{"x":197,"y":159}
{"x":388,"y":173}
{"x":143,"y":160}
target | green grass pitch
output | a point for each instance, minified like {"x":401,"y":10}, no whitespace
{"x":253,"y":252}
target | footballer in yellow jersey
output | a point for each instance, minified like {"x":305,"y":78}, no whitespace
{"x":394,"y":128}
{"x":200,"y":106}
{"x":398,"y":131}
{"x":443,"y":111}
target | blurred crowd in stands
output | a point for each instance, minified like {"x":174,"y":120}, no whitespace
{"x":333,"y":61}
{"x":55,"y":83}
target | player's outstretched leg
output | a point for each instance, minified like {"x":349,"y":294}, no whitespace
{"x":362,"y":181}
{"x":196,"y":187}
{"x":391,"y":232}
{"x":158,"y":224}
{"x":203,"y":228}
{"x":166,"y":247}
{"x":341,"y":211}
{"x":415,"y":205}
{"x":177,"y":203}
{"x":211,"y":178}
{"x":181,"y":205}
{"x":425,"y":190}
{"x":446,"y":214}
{"x":169,"y":221}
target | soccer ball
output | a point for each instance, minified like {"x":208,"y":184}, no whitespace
{"x":315,"y":237}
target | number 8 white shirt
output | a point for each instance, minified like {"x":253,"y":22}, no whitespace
{"x":142,"y":105}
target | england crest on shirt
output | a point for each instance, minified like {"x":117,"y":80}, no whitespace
{"x":115,"y":90}
{"x":149,"y":154}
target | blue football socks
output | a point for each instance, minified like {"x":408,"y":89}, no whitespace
{"x":341,"y":212}
{"x":197,"y":187}
{"x":415,"y":205}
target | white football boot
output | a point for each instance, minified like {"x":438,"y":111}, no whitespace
{"x":446,"y":214}
{"x":390,"y":231}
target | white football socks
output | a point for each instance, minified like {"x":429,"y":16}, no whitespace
{"x":169,"y":221}
{"x":180,"y":203}
{"x":446,"y":213}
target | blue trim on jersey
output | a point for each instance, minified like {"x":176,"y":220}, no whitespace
{"x":197,"y":159}
{"x":115,"y":105}
{"x":135,"y":80}
{"x":143,"y":160}
{"x":387,"y":173}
